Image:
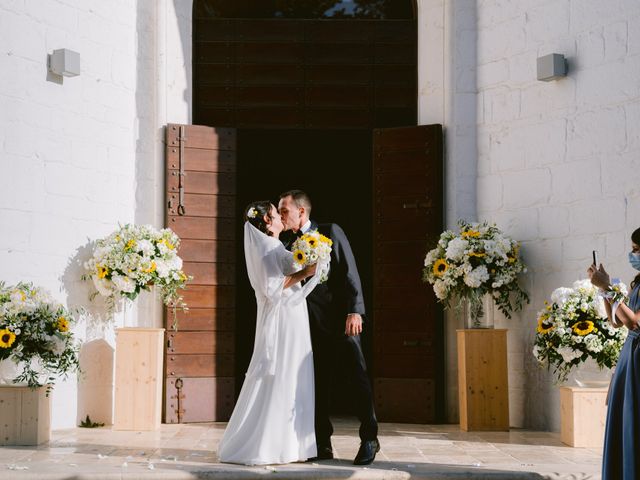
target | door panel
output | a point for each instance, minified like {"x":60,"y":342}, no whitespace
{"x":408,"y":360}
{"x":200,"y":355}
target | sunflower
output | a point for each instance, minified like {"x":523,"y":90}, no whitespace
{"x":440,"y":267}
{"x":470,"y":234}
{"x":312,"y":242}
{"x":583,"y":327}
{"x":325,"y":239}
{"x":543,"y":325}
{"x":63,"y":324}
{"x":102,"y":271}
{"x":7,"y":337}
{"x":299,"y":257}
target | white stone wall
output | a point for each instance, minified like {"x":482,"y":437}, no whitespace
{"x":78,"y":158}
{"x":558,"y":162}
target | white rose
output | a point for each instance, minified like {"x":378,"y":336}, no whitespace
{"x":162,"y":268}
{"x":124,"y":284}
{"x":104,"y":286}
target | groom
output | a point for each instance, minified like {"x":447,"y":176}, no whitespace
{"x":335,"y":314}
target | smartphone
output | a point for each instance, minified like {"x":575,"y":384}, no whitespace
{"x":595,"y":258}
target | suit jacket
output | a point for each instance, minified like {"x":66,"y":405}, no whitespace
{"x":330,"y":302}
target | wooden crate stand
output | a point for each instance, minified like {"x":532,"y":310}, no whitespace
{"x":483,"y":386}
{"x":138,"y":392}
{"x":25,"y":415}
{"x":583,"y":414}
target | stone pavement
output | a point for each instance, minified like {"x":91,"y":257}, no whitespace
{"x":408,"y":452}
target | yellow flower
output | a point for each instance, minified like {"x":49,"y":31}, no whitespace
{"x":440,"y":267}
{"x":584,"y":327}
{"x":324,"y":239}
{"x":312,"y":242}
{"x":130,"y":244}
{"x":63,"y":324}
{"x":477,"y":254}
{"x":7,"y":337}
{"x":299,"y":257}
{"x":151,"y":269}
{"x":183,"y":277}
{"x":543,"y":326}
{"x":102,"y":271}
{"x":168,"y":244}
{"x":471,"y":234}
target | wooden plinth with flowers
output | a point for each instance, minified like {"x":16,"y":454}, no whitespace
{"x":25,"y":415}
{"x":483,"y":385}
{"x":138,"y":392}
{"x":583,"y":414}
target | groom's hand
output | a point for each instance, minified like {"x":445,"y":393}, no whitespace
{"x":354,"y":324}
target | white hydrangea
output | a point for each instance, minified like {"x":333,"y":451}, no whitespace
{"x":456,"y":249}
{"x":593,"y":343}
{"x":560,"y":295}
{"x":476,"y":277}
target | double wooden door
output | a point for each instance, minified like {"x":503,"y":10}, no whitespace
{"x":407,"y":211}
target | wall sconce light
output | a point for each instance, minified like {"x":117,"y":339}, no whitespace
{"x":64,"y":62}
{"x":552,"y":67}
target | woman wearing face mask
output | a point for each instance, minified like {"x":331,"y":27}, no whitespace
{"x":620,"y":459}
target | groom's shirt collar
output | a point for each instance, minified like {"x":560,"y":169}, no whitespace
{"x":305,"y":228}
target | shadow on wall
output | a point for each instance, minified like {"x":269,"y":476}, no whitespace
{"x":95,"y":381}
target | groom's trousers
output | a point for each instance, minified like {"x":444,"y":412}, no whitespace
{"x":331,"y":352}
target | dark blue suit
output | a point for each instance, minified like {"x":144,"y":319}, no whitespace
{"x":329,"y":304}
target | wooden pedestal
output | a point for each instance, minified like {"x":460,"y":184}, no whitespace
{"x":25,"y":415}
{"x":583,"y":414}
{"x":138,"y":395}
{"x":483,"y":386}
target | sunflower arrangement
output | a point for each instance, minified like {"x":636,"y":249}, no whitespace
{"x":574,"y":327}
{"x":477,"y":260}
{"x":35,"y":332}
{"x":310,"y":248}
{"x":134,"y":258}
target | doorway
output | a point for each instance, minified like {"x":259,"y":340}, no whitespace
{"x":304,"y":85}
{"x":334,"y":168}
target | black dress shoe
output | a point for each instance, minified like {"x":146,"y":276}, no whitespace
{"x":367,"y":453}
{"x":324,"y":453}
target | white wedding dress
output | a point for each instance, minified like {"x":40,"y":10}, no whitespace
{"x":273,"y":420}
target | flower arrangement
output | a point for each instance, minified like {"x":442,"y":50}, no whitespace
{"x":35,"y":333}
{"x":134,"y":258}
{"x":310,"y":248}
{"x":574,"y":327}
{"x":478,"y":260}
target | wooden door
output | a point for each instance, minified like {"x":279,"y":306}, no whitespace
{"x":200,"y":189}
{"x":407,"y":186}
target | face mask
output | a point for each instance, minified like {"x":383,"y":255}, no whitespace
{"x":634,"y":260}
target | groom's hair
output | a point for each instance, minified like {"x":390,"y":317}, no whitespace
{"x":300,"y":198}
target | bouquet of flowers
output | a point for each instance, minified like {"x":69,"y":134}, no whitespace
{"x":478,"y":260}
{"x":310,"y":248}
{"x":574,"y":327}
{"x":133,"y":259}
{"x":35,"y":332}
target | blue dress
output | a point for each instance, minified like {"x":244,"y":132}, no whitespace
{"x":621,"y":456}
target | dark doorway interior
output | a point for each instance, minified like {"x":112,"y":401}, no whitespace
{"x":334,"y":168}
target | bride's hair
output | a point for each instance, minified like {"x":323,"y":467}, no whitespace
{"x":255,"y":212}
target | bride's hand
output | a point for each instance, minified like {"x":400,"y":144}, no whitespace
{"x":310,"y":270}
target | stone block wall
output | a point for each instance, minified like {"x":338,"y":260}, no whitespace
{"x":557,"y":161}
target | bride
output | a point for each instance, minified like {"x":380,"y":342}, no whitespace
{"x":273,"y":420}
